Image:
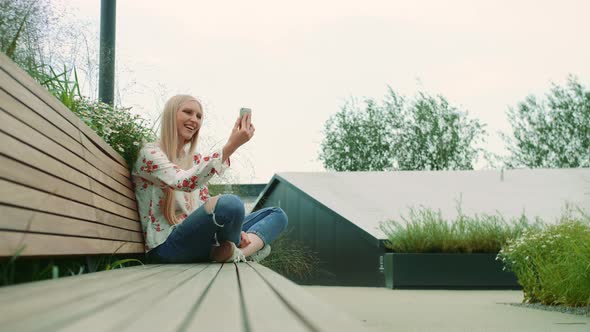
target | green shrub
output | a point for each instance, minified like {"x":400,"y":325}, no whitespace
{"x":553,"y":264}
{"x":123,"y":131}
{"x":426,"y":231}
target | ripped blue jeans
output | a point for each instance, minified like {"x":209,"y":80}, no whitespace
{"x":191,"y":240}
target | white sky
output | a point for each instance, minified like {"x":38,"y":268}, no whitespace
{"x":295,"y":63}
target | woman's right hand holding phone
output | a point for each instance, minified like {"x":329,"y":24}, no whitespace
{"x":241,"y":133}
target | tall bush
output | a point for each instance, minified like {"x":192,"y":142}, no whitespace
{"x":553,"y":264}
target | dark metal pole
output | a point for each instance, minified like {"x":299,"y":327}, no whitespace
{"x":106,"y":73}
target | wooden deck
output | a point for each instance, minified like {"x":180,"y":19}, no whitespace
{"x":185,"y":297}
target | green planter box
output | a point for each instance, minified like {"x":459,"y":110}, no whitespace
{"x":438,"y":270}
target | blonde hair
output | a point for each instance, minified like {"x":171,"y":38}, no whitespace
{"x":169,"y":145}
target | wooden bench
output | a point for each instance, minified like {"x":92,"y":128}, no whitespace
{"x":65,"y":192}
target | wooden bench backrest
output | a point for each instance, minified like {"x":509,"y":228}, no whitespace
{"x":63,"y":190}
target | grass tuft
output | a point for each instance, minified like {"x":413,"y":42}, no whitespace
{"x":291,"y":258}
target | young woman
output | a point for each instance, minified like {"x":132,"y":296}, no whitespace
{"x":181,"y":222}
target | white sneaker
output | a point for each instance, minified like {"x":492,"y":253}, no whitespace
{"x":261,"y":254}
{"x":227,"y":252}
{"x":237,"y":256}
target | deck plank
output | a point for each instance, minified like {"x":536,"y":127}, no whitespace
{"x":52,"y":312}
{"x":54,"y":293}
{"x":318,"y":315}
{"x":22,"y":292}
{"x":178,"y":306}
{"x":113,"y":316}
{"x":220,"y":309}
{"x":169,"y":298}
{"x":264,"y":309}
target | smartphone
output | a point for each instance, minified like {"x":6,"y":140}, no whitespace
{"x":244,"y":110}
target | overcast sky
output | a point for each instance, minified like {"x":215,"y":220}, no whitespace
{"x":295,"y":63}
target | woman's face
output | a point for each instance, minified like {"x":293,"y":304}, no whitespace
{"x":189,"y":118}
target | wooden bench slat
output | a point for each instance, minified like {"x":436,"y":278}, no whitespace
{"x":121,"y":313}
{"x":23,"y":174}
{"x":52,"y":312}
{"x":82,"y":148}
{"x":221,"y":309}
{"x":28,"y":138}
{"x":177,"y":306}
{"x":15,"y":90}
{"x":261,"y":303}
{"x":28,"y":198}
{"x":106,"y":192}
{"x":16,"y":109}
{"x":28,"y":84}
{"x":93,"y":152}
{"x":17,"y":150}
{"x":317,"y":314}
{"x":121,"y":175}
{"x":56,"y":245}
{"x":23,"y":220}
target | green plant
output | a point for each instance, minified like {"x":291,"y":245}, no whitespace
{"x":426,"y":231}
{"x":291,"y":258}
{"x":118,"y":127}
{"x":19,"y":270}
{"x":8,"y":268}
{"x":122,"y":263}
{"x":59,"y":84}
{"x":553,"y":264}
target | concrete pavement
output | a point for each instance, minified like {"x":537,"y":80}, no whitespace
{"x":383,"y":309}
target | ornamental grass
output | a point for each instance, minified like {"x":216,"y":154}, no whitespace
{"x":426,"y":231}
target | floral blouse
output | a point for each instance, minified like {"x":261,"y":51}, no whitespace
{"x":153,"y":172}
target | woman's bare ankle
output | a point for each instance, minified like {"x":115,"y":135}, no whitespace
{"x":222,"y":253}
{"x":255,"y":245}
